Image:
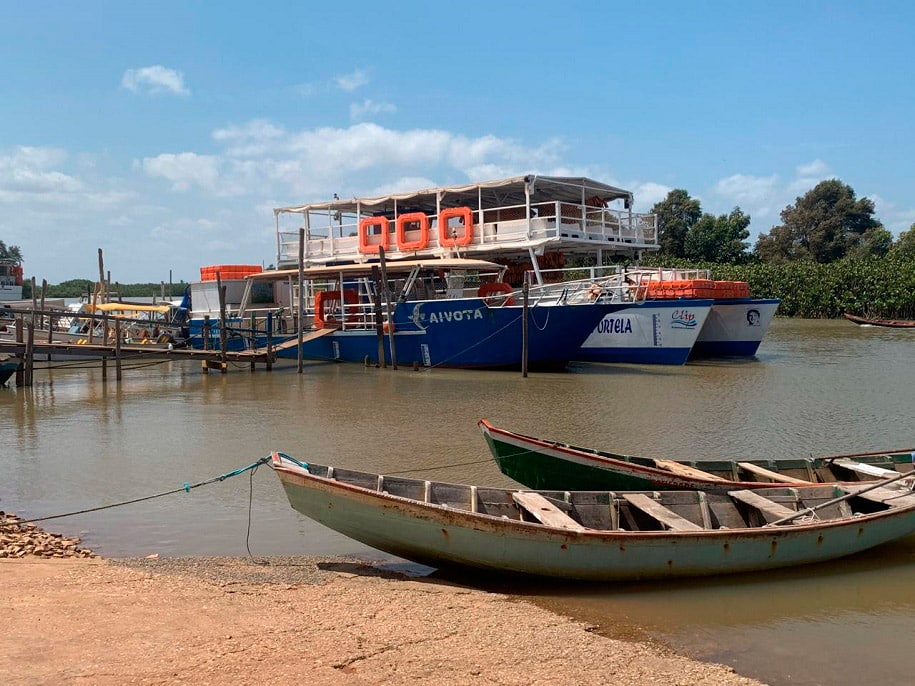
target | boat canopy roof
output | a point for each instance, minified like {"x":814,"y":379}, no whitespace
{"x":497,"y":193}
{"x":127,"y":307}
{"x":391,"y":266}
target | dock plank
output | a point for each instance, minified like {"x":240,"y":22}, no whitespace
{"x":769,"y":474}
{"x":544,"y":511}
{"x":663,"y":514}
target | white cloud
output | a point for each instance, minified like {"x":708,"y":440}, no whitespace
{"x":352,"y":81}
{"x":817,"y":168}
{"x":368,"y":107}
{"x":184,"y":169}
{"x":154,"y":80}
{"x":28,"y":174}
{"x":745,"y":189}
{"x":648,"y":193}
{"x":894,"y":218}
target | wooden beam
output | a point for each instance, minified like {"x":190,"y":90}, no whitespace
{"x":663,"y":514}
{"x":685,"y":470}
{"x":770,"y":509}
{"x":769,"y":474}
{"x":544,"y":511}
{"x":869,"y":470}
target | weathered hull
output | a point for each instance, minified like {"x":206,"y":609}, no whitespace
{"x":735,"y":328}
{"x":887,"y":323}
{"x":440,"y":536}
{"x":541,"y":464}
{"x":653,"y":332}
{"x":7,"y":369}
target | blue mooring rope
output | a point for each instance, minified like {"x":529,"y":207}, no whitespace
{"x":186,"y":488}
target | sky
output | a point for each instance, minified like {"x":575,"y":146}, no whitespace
{"x":164,"y":133}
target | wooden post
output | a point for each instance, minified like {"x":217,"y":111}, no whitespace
{"x":206,"y":340}
{"x":117,"y":349}
{"x":388,"y":307}
{"x":300,"y":356}
{"x":30,"y":353}
{"x":104,"y":343}
{"x":44,"y":292}
{"x":379,"y":325}
{"x":525,"y":292}
{"x":269,"y":341}
{"x":101,"y":270}
{"x":20,"y":370}
{"x":223,"y":324}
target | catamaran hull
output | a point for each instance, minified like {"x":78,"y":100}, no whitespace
{"x":453,"y":333}
{"x":653,"y":332}
{"x":440,"y":536}
{"x":735,"y":328}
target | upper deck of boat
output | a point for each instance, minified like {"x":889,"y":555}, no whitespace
{"x":508,"y":217}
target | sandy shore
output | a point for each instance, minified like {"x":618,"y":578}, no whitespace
{"x":295,"y":621}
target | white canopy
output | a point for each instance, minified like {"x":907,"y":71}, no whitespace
{"x":497,"y":193}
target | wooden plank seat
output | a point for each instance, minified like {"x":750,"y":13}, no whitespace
{"x":770,"y":509}
{"x":663,"y":514}
{"x":686,"y":470}
{"x":769,"y":474}
{"x":544,"y":511}
{"x":896,"y":495}
{"x":869,"y":470}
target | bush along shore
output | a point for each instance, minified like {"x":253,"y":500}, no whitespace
{"x":19,"y":539}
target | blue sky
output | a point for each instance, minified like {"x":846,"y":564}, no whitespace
{"x":165,"y":133}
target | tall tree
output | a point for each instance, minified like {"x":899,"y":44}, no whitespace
{"x":677,"y":214}
{"x":10,"y":253}
{"x":825,"y":224}
{"x":905,"y":244}
{"x":719,"y":239}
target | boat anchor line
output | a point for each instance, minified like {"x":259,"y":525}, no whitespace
{"x":186,"y":488}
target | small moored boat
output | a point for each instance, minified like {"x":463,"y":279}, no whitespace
{"x":539,"y":463}
{"x":891,"y":323}
{"x":599,"y":535}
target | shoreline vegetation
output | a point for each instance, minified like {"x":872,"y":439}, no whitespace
{"x":71,"y":616}
{"x":876,"y":287}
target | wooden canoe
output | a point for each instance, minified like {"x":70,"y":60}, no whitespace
{"x":598,"y":535}
{"x":538,"y":463}
{"x":891,"y":323}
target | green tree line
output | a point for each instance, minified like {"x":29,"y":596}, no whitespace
{"x":76,"y":288}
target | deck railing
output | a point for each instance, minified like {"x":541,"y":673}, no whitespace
{"x":335,"y":236}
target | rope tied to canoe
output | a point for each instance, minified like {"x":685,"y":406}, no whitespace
{"x":185,"y":488}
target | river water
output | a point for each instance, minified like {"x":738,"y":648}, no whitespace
{"x":817,"y":387}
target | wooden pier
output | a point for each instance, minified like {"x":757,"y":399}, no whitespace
{"x":219,"y":360}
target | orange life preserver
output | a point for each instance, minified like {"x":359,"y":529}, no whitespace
{"x":487,"y":290}
{"x":372,"y":248}
{"x":445,"y":239}
{"x":325,"y":300}
{"x":411,"y":218}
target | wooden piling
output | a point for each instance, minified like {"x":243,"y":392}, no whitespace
{"x":20,"y":370}
{"x":117,"y":350}
{"x":379,"y":324}
{"x":525,"y":292}
{"x":300,"y":306}
{"x":388,"y":306}
{"x":30,"y":354}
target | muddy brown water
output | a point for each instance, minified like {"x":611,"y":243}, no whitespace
{"x":817,"y":387}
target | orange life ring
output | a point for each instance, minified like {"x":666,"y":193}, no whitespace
{"x":420,"y":243}
{"x":325,"y":300}
{"x":445,"y":239}
{"x":383,"y":239}
{"x":490,"y":292}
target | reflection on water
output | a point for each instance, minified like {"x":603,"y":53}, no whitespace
{"x":72,"y":442}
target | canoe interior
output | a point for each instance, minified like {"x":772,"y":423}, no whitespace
{"x":645,"y":511}
{"x":812,"y":469}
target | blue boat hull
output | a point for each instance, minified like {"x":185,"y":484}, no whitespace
{"x":463,"y":333}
